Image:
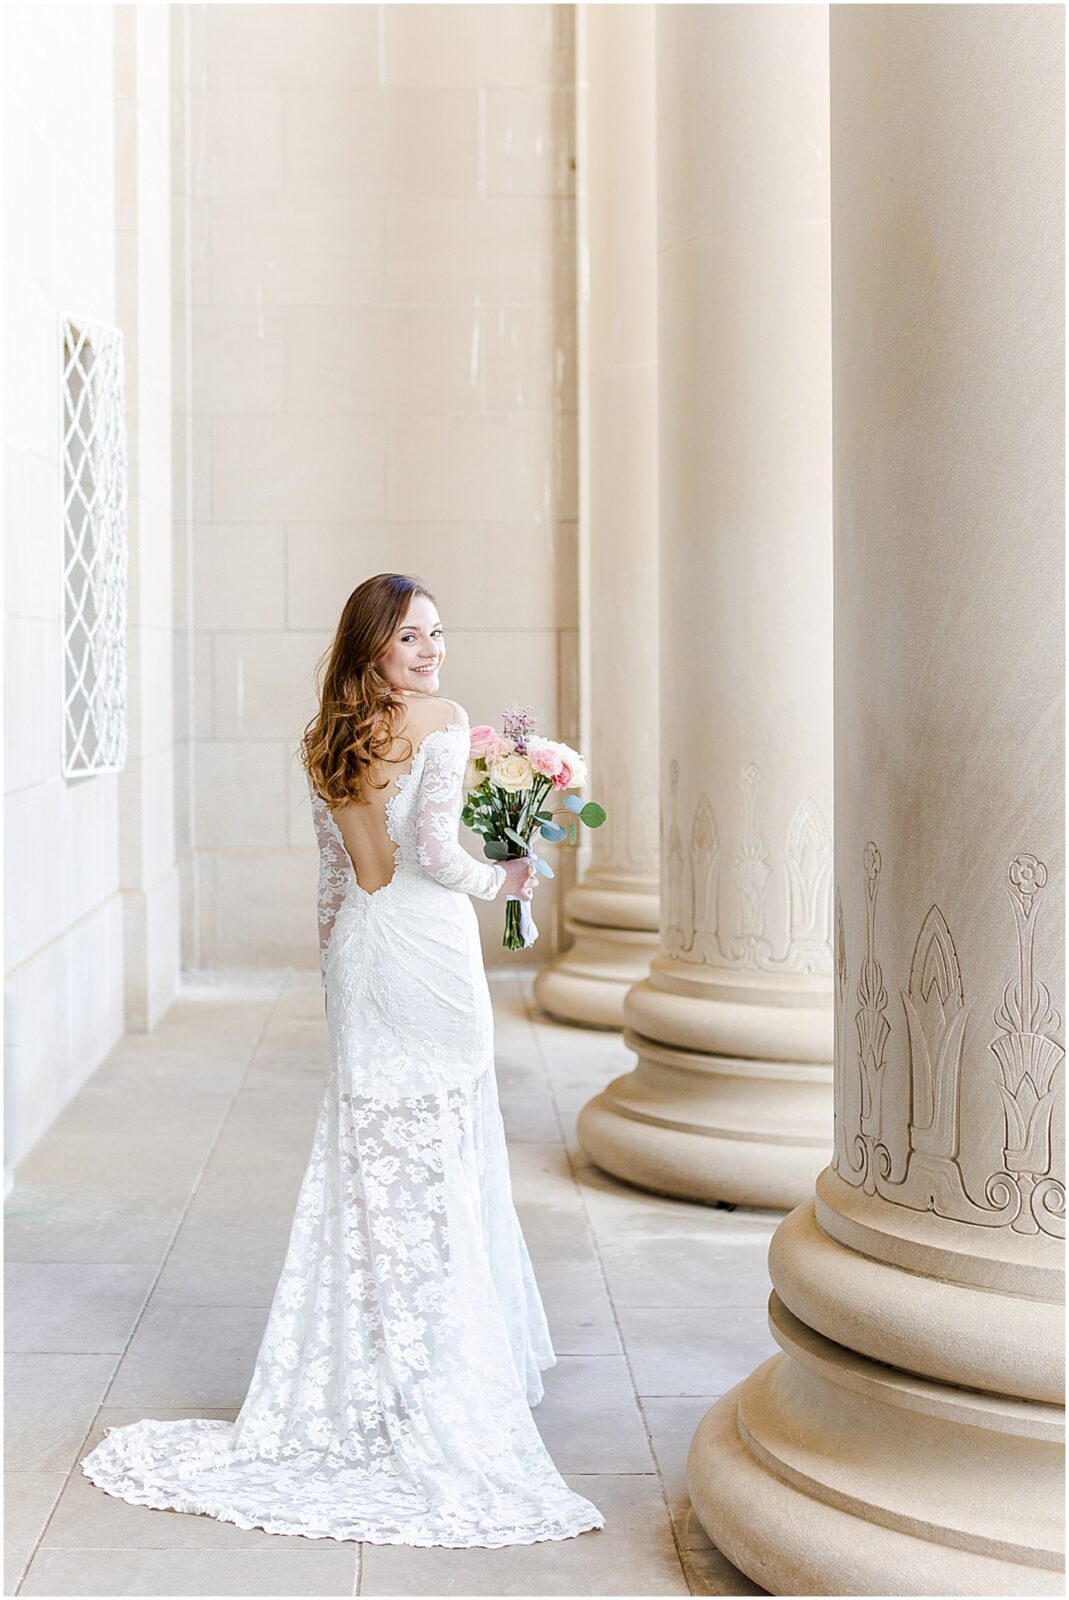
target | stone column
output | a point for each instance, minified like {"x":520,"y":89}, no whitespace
{"x":612,"y":914}
{"x":732,"y":1026}
{"x":907,"y":1441}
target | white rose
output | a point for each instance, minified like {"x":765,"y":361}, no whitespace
{"x":576,"y":765}
{"x":512,"y":772}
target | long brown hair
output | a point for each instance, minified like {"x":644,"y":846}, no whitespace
{"x":358,"y":707}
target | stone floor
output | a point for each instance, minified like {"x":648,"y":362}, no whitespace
{"x":144,"y":1237}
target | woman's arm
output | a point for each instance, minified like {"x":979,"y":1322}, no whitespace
{"x":438,"y":808}
{"x":335,"y":870}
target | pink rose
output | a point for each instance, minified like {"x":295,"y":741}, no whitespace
{"x":545,"y":761}
{"x":563,"y":778}
{"x":501,"y":747}
{"x":481,"y":739}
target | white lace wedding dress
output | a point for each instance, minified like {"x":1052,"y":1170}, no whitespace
{"x":390,"y":1397}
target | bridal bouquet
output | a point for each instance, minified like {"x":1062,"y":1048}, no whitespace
{"x":509,"y":779}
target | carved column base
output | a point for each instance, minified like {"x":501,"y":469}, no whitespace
{"x":612,"y":918}
{"x":928,"y":1462}
{"x":711,"y":1112}
{"x":962,"y":1304}
{"x":826,"y":1474}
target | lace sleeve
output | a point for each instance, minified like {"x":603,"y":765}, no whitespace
{"x":438,"y":808}
{"x":334,"y":872}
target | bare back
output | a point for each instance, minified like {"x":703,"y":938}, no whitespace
{"x":363,"y":827}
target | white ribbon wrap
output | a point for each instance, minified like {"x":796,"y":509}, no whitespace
{"x":527,"y":922}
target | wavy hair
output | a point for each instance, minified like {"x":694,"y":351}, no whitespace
{"x":358,"y":708}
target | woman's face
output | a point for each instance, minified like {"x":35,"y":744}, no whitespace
{"x":412,"y":662}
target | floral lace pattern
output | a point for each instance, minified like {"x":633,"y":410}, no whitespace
{"x":422,"y":819}
{"x":406,"y":1338}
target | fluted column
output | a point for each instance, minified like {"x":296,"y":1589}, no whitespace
{"x":732,"y":1026}
{"x":908,"y":1440}
{"x":612,"y":914}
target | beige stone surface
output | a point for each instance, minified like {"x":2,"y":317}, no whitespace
{"x":913,"y":1425}
{"x":91,"y":905}
{"x":221,"y":1099}
{"x":612,"y":913}
{"x":744,"y":470}
{"x":375,"y":337}
{"x":794,"y":1541}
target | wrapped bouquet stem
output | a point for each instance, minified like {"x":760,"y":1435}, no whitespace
{"x":513,"y":779}
{"x":520,"y":928}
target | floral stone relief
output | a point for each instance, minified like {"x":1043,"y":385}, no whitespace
{"x":942,"y":1043}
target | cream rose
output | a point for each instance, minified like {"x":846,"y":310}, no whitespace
{"x":512,"y":772}
{"x":473,"y":775}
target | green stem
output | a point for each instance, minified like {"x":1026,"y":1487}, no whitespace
{"x":513,"y":937}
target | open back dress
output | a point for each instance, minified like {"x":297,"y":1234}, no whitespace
{"x":390,"y":1398}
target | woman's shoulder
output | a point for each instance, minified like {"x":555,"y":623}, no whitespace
{"x":428,"y":713}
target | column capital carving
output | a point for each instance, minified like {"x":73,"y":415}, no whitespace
{"x":911,"y":1156}
{"x":742,"y":903}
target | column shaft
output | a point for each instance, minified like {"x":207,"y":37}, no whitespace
{"x":731,"y":1097}
{"x":912,"y":1426}
{"x":612,"y":914}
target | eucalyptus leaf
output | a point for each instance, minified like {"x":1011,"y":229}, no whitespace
{"x":543,"y":867}
{"x":517,"y":838}
{"x":552,"y":831}
{"x":573,"y":832}
{"x":496,"y":850}
{"x":572,"y":802}
{"x":592,"y":814}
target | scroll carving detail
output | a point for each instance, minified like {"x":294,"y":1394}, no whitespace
{"x":694,"y":886}
{"x":629,"y":836}
{"x":1022,"y":1192}
{"x":1030,"y":1064}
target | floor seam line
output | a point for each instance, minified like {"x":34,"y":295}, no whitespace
{"x":528,"y":997}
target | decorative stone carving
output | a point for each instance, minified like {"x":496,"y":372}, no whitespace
{"x":1020,"y":1191}
{"x":674,"y":941}
{"x":693,"y":932}
{"x":908,"y":1438}
{"x":809,"y":865}
{"x":730,"y":1098}
{"x":872,"y":1031}
{"x":1030,"y":1062}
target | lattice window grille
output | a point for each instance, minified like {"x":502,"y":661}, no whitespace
{"x":93,"y":491}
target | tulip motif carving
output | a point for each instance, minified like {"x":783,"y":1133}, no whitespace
{"x":1021,"y":1191}
{"x":692,"y":929}
{"x":629,"y":836}
{"x":1030,"y":1063}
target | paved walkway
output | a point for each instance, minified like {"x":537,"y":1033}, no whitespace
{"x":144,"y":1238}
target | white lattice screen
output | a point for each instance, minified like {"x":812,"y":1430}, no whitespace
{"x":93,"y":470}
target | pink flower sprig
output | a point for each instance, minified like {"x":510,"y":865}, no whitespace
{"x":518,"y":724}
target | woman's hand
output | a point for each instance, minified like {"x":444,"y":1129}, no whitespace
{"x":520,"y":877}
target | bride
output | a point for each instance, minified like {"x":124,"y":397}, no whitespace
{"x":390,"y":1398}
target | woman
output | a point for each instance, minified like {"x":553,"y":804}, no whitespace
{"x":406,"y":1338}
